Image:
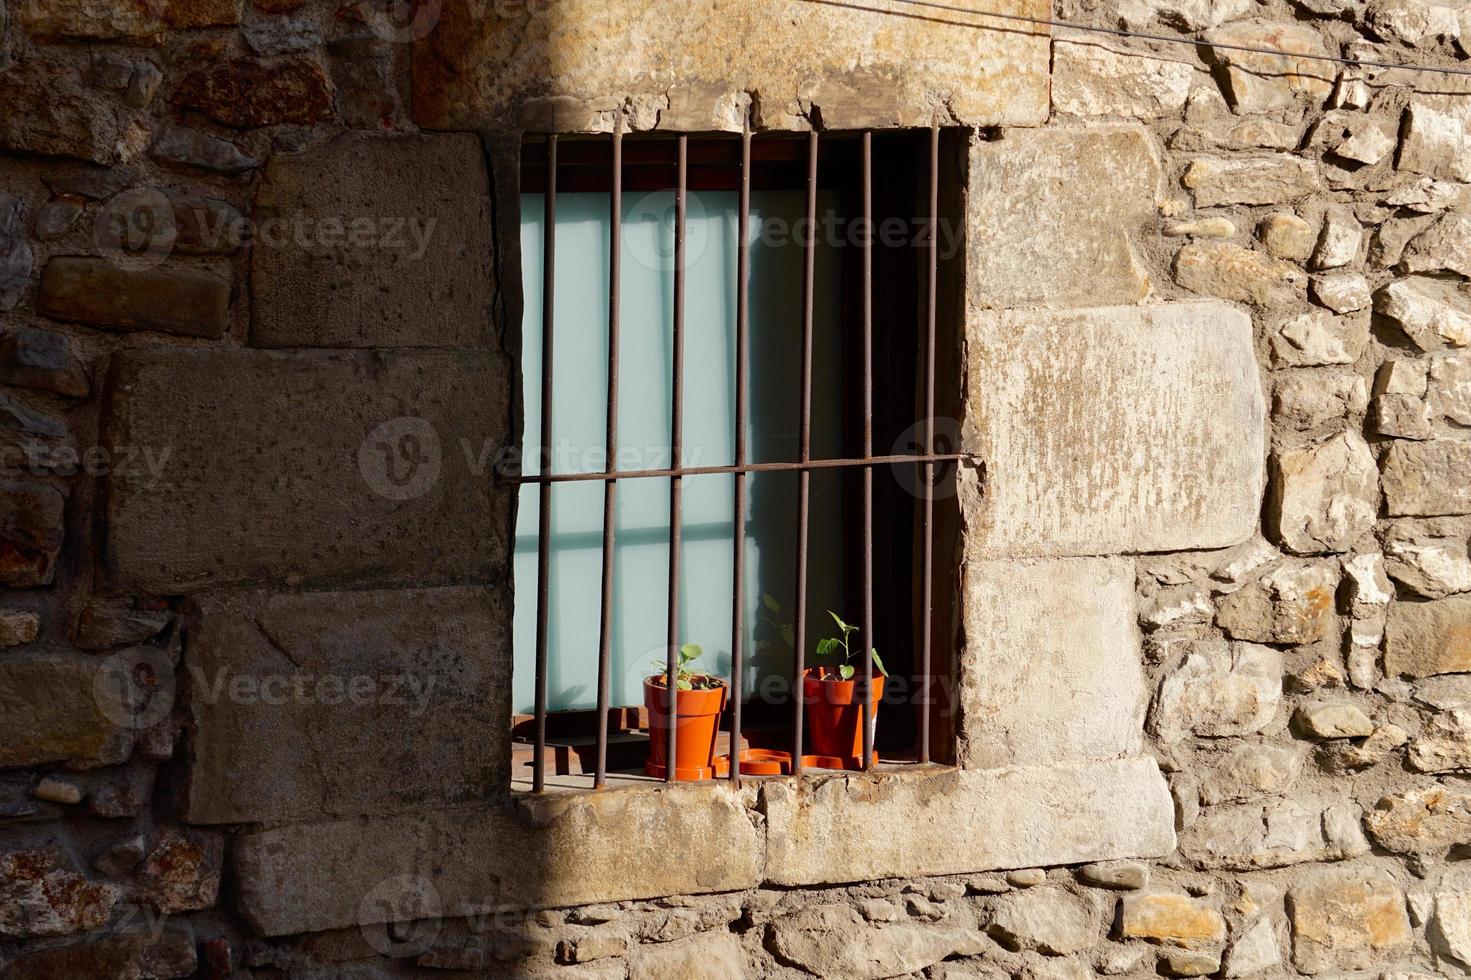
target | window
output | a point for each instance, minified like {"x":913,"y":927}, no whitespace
{"x":603,"y":586}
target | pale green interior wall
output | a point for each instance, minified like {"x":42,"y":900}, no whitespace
{"x":579,"y":410}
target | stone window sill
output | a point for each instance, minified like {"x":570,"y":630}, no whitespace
{"x":634,"y":842}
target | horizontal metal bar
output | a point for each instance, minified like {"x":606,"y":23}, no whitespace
{"x":776,"y":467}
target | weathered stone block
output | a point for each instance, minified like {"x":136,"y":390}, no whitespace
{"x":1164,"y":917}
{"x":1424,"y":479}
{"x":1258,"y":82}
{"x":1431,"y":312}
{"x":1432,"y":557}
{"x":328,"y":691}
{"x":307,"y":468}
{"x":61,"y":118}
{"x":1053,"y":214}
{"x":989,"y":819}
{"x":189,"y":301}
{"x":31,"y":531}
{"x":563,"y":850}
{"x":1323,"y":497}
{"x":1092,"y":79}
{"x":478,"y":65}
{"x":1428,"y":820}
{"x":41,"y":359}
{"x":40,"y":896}
{"x":1051,"y":669}
{"x":247,"y":92}
{"x":379,"y":261}
{"x":1270,"y":180}
{"x":871,"y":952}
{"x":1443,"y":744}
{"x":50,"y":712}
{"x":1283,"y":833}
{"x":1047,"y":919}
{"x":1426,"y":638}
{"x":1114,"y":430}
{"x":1347,"y":919}
{"x":1227,"y":271}
{"x":1219,"y":690}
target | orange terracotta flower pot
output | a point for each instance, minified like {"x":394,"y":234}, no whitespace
{"x":835,"y":712}
{"x":696,"y":722}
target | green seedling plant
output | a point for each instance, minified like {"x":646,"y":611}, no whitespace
{"x":830,"y":646}
{"x":685,"y":677}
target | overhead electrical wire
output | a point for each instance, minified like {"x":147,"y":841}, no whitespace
{"x":1166,"y":38}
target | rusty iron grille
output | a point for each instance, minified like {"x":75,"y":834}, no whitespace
{"x":803,"y":466}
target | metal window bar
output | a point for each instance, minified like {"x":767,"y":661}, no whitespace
{"x":742,"y":467}
{"x":610,"y":487}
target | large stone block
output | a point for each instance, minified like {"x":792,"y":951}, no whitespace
{"x":55,"y":711}
{"x":1426,"y":638}
{"x":306,"y":468}
{"x":859,"y":829}
{"x":1425,"y":479}
{"x":561,"y":850}
{"x":1051,"y":668}
{"x":1126,"y":429}
{"x":188,"y":301}
{"x":1053,"y":214}
{"x":302,"y":703}
{"x":479,"y":65}
{"x":349,"y":253}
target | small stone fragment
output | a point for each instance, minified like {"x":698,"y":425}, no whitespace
{"x":247,"y":92}
{"x":1342,"y":291}
{"x":55,"y":790}
{"x":1286,"y":236}
{"x":143,"y":84}
{"x":1122,"y":875}
{"x":103,"y":625}
{"x":1203,"y":228}
{"x":41,"y":359}
{"x":1429,"y":820}
{"x":1427,"y":479}
{"x":1249,"y":771}
{"x":1219,"y":690}
{"x":1449,"y":387}
{"x":176,"y":144}
{"x":1444,"y":743}
{"x":182,"y":873}
{"x":1339,"y":240}
{"x":1253,"y":951}
{"x":1167,"y":918}
{"x":1328,"y":720}
{"x":1432,"y":557}
{"x":1271,"y":180}
{"x":1044,"y":918}
{"x":1342,"y":756}
{"x":1431,"y":312}
{"x":1427,"y":638}
{"x":1026,"y":877}
{"x":18,"y":627}
{"x":1317,"y":338}
{"x":1309,"y":399}
{"x":1323,"y":497}
{"x":1188,"y":963}
{"x":1443,"y":247}
{"x":1292,"y":603}
{"x":184,"y":301}
{"x":56,"y":217}
{"x":40,"y":897}
{"x":1347,"y":920}
{"x":1231,"y":272}
{"x":121,"y":858}
{"x":1401,"y":417}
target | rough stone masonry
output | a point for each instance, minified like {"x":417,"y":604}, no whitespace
{"x":1214,"y":667}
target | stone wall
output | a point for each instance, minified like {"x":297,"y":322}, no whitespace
{"x":259,"y":319}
